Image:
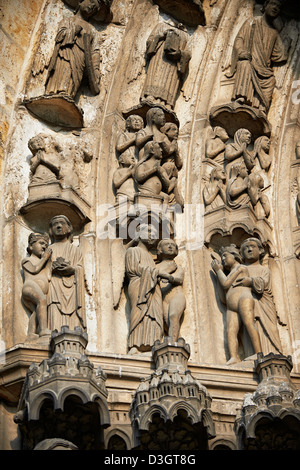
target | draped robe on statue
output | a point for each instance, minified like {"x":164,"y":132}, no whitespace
{"x":146,"y":318}
{"x":254,"y":80}
{"x":265,"y":310}
{"x":165,"y":70}
{"x":75,"y":50}
{"x":66,"y":293}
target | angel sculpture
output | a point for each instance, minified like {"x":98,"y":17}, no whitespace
{"x":76,"y":52}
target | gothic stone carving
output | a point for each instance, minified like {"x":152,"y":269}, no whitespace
{"x":168,"y":55}
{"x":256,"y":47}
{"x":248,"y":297}
{"x":76,"y":51}
{"x":36,"y":269}
{"x":276,"y":399}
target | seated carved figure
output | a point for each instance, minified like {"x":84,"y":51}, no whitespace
{"x":174,"y":301}
{"x":238,"y":151}
{"x":36,"y":269}
{"x":239,"y":300}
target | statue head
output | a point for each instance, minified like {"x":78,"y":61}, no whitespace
{"x":147,"y":234}
{"x":252,"y":250}
{"x":60,"y":227}
{"x":89,"y":8}
{"x":155,"y":116}
{"x":152,"y":149}
{"x":242,"y":136}
{"x":218,"y":174}
{"x":271,"y":8}
{"x":171,"y":130}
{"x":167,"y":249}
{"x":230,"y":255}
{"x":134,"y":122}
{"x":221,"y":133}
{"x":37,"y":243}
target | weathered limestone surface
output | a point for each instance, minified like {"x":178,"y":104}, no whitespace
{"x":81,"y":187}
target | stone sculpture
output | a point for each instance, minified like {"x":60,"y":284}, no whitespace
{"x":151,"y":178}
{"x":261,"y":152}
{"x":146,"y":304}
{"x":66,"y":304}
{"x":244,"y":189}
{"x":172,"y":162}
{"x":76,"y":52}
{"x":155,"y":120}
{"x":45,"y":162}
{"x":215,"y":145}
{"x":237,"y":150}
{"x":126,"y":142}
{"x":257,"y":46}
{"x":168,"y":56}
{"x":248,"y":297}
{"x":174,"y":301}
{"x":259,"y":279}
{"x":214,"y":192}
{"x":239,"y":300}
{"x":36,"y":269}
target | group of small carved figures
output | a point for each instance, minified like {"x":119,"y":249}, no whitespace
{"x":149,"y":165}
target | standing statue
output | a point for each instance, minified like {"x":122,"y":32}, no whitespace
{"x":259,"y":279}
{"x":36,"y":269}
{"x":66,"y":304}
{"x":76,"y":51}
{"x":146,"y":314}
{"x":168,"y":55}
{"x":214,"y":192}
{"x":239,"y":300}
{"x":256,"y":47}
{"x":215,"y":145}
{"x":174,"y":301}
{"x":172,"y":162}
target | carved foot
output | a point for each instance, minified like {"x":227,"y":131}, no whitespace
{"x":233,"y":360}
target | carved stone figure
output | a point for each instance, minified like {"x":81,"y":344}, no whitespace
{"x":214,"y":192}
{"x":174,"y":301}
{"x":123,"y":178}
{"x":45,"y":163}
{"x":155,"y":120}
{"x":66,"y":304}
{"x":244,"y":189}
{"x":151,"y":178}
{"x":168,"y":56}
{"x":237,"y":151}
{"x":36,"y":269}
{"x":257,"y":46}
{"x":259,"y":279}
{"x":261,"y":152}
{"x":126,"y":140}
{"x":146,"y":314}
{"x":215,"y":146}
{"x":76,"y":54}
{"x":238,"y":299}
{"x":75,"y":51}
{"x":172,"y":162}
